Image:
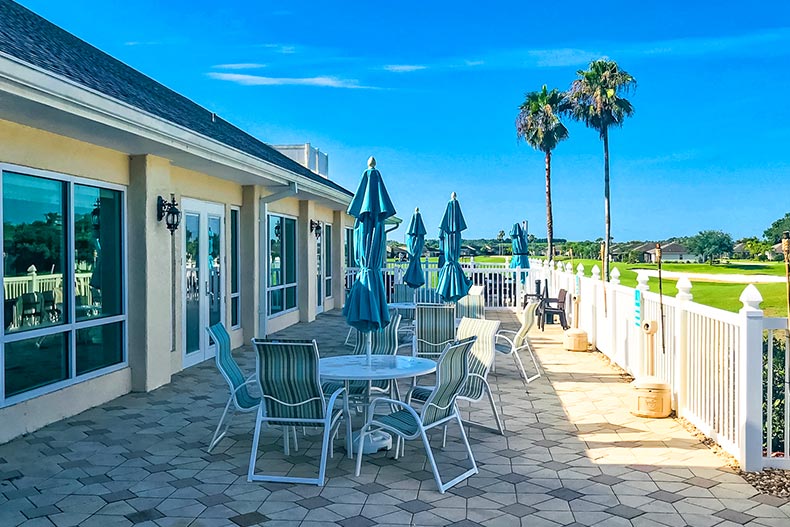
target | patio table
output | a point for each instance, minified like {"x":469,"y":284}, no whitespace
{"x":349,"y":368}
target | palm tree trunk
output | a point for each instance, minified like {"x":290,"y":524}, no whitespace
{"x":549,"y":217}
{"x":606,"y":204}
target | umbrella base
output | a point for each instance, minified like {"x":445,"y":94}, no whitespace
{"x":374,"y":442}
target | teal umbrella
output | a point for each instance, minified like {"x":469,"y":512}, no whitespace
{"x":415,"y":277}
{"x":520,"y":257}
{"x":453,"y":283}
{"x":366,"y":306}
{"x":440,"y":264}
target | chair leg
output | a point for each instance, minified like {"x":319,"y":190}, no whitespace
{"x":286,"y":441}
{"x":296,"y":441}
{"x":444,"y":436}
{"x":432,"y":461}
{"x":254,"y":451}
{"x":494,"y":409}
{"x":520,"y":367}
{"x":349,"y":437}
{"x":466,"y":442}
{"x":365,"y":430}
{"x":325,"y":445}
{"x":534,"y":361}
{"x":217,"y":435}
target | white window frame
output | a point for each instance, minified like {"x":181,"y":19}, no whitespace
{"x":283,"y":286}
{"x":71,"y":327}
{"x":328,"y":254}
{"x":236,"y":265}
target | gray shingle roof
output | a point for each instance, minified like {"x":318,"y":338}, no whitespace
{"x":34,"y":40}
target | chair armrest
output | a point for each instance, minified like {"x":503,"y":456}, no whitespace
{"x":507,"y":332}
{"x":240,"y":386}
{"x":509,"y":341}
{"x":385,"y":400}
{"x":334,"y":397}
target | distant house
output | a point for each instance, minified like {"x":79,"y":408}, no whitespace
{"x":397,"y":251}
{"x":740,"y":251}
{"x":672,"y":252}
{"x":643,"y":250}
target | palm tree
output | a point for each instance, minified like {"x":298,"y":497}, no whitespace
{"x":597,"y":99}
{"x":538,"y":123}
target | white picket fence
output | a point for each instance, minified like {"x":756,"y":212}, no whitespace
{"x":723,"y":368}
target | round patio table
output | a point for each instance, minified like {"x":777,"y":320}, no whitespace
{"x":402,"y":305}
{"x":348,"y":368}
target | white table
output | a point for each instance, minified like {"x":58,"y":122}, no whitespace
{"x":348,"y":368}
{"x":402,"y":305}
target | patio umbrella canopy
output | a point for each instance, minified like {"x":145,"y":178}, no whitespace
{"x":415,"y":277}
{"x":366,"y":306}
{"x":453,"y":283}
{"x":520,"y":259}
{"x":441,"y":261}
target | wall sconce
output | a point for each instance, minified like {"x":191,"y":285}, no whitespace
{"x":96,"y":216}
{"x":168,"y":210}
{"x":315,"y":227}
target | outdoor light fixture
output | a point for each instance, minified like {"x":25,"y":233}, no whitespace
{"x":95,"y":216}
{"x":315,"y":227}
{"x":168,"y":210}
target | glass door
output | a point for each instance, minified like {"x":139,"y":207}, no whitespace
{"x":203,"y":277}
{"x":319,"y":282}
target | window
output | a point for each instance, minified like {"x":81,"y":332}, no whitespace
{"x":327,"y":235}
{"x":64,"y":312}
{"x":350,"y":259}
{"x":235,"y":289}
{"x":282,"y":264}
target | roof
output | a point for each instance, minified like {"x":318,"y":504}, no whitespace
{"x":672,"y":247}
{"x":739,"y":248}
{"x":36,"y":41}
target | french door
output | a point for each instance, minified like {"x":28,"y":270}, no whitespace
{"x":203,"y":279}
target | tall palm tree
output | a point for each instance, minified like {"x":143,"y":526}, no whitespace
{"x":539,"y":124}
{"x":596,"y":98}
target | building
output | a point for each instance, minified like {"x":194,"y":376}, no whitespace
{"x":100,"y":298}
{"x":672,"y":252}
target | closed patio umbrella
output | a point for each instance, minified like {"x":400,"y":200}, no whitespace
{"x":440,"y":263}
{"x":415,"y":277}
{"x":520,"y":259}
{"x":453,"y":283}
{"x":366,"y":306}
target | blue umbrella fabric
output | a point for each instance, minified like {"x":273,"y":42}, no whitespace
{"x":440,"y":264}
{"x":366,"y":306}
{"x":415,"y":277}
{"x":520,"y":257}
{"x":453,"y":283}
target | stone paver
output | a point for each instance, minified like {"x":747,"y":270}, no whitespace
{"x":572,"y":455}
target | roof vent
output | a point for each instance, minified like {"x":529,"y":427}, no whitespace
{"x":213,"y":117}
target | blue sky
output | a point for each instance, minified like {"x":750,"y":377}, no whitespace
{"x":431,"y":89}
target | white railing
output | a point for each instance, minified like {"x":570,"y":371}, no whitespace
{"x":14,"y":287}
{"x":723,"y":368}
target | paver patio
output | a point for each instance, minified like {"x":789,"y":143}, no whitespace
{"x":572,"y":455}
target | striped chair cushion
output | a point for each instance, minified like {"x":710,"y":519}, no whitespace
{"x":230,"y":370}
{"x":451,"y":375}
{"x":434,"y":328}
{"x":528,"y":318}
{"x":471,"y":306}
{"x":288,"y":375}
{"x":421,"y":393}
{"x":383,"y":341}
{"x":427,"y":295}
{"x":481,"y":357}
{"x":402,"y":421}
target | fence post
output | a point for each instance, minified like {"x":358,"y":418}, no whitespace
{"x":680,"y":388}
{"x":33,"y":284}
{"x":614,"y":342}
{"x":641,"y":355}
{"x":750,"y":380}
{"x":595,"y":280}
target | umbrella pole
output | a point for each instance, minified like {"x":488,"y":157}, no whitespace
{"x":369,"y":345}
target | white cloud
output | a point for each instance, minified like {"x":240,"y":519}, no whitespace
{"x":239,"y":66}
{"x":257,"y":80}
{"x":284,"y":49}
{"x":404,"y":68}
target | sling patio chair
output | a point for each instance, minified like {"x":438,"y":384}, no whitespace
{"x":427,"y":295}
{"x":513,"y":342}
{"x":473,"y":305}
{"x":452,"y":371}
{"x":481,"y":358}
{"x":434,"y":328}
{"x":383,"y":342}
{"x":291,"y":395}
{"x":240,"y":398}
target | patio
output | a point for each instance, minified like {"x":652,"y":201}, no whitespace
{"x":572,"y":455}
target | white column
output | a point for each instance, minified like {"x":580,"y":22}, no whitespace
{"x":750,"y":380}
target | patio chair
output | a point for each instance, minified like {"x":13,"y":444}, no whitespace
{"x":383,"y":342}
{"x":291,"y":395}
{"x":427,"y":295}
{"x":513,"y":342}
{"x":434,"y":328}
{"x":553,"y":306}
{"x":473,"y":305}
{"x":481,"y":358}
{"x":240,"y":397}
{"x":452,"y":371}
{"x":402,"y":293}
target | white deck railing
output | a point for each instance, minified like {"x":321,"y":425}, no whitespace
{"x":729,"y":372}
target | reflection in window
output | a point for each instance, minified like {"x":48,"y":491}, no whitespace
{"x":36,"y":362}
{"x":97,"y":252}
{"x":33,"y":257}
{"x":282,"y":264}
{"x":99,"y":346}
{"x":327,"y":234}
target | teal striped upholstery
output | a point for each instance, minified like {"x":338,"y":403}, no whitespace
{"x":288,"y":377}
{"x":452,"y":371}
{"x":434,"y":329}
{"x":402,"y":293}
{"x":402,"y":421}
{"x":427,"y":295}
{"x":527,"y":322}
{"x":471,"y":306}
{"x":481,"y":357}
{"x":230,"y":370}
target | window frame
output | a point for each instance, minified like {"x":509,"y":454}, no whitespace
{"x":283,"y":286}
{"x":235,"y":264}
{"x":71,"y":326}
{"x":328,"y":244}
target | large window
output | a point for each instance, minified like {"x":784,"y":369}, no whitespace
{"x":328,"y":259}
{"x":282,"y":264}
{"x":235,"y":289}
{"x":64,"y":311}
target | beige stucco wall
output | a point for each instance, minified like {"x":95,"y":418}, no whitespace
{"x":30,"y":147}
